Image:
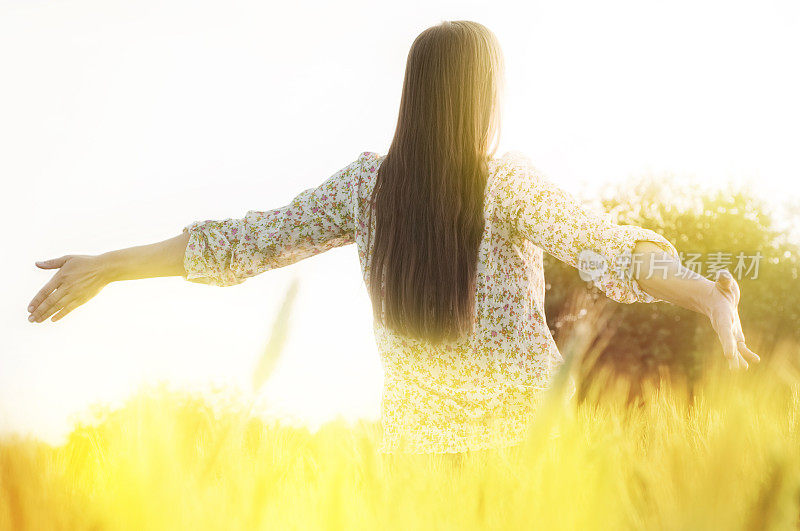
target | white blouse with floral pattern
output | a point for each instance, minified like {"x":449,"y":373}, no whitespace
{"x":482,"y":391}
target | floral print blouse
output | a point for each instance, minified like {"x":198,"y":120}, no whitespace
{"x":481,"y":391}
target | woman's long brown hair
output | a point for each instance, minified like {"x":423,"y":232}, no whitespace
{"x":428,"y":198}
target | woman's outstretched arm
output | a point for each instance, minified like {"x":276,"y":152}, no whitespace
{"x":602,"y":251}
{"x":218,"y":252}
{"x":81,"y":277}
{"x":663,"y":277}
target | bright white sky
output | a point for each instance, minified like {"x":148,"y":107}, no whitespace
{"x":122,"y":122}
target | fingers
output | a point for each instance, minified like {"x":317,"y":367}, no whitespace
{"x":735,"y":349}
{"x":741,"y":344}
{"x":741,"y":363}
{"x":53,"y":263}
{"x":747,"y":353}
{"x":726,"y":284}
{"x":65,"y":310}
{"x":41,"y":311}
{"x":48,"y":288}
{"x":728,"y":346}
{"x":734,"y":354}
{"x":725,"y":279}
{"x":61,"y":303}
{"x":728,"y":325}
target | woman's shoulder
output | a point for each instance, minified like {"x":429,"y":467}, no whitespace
{"x":510,"y":163}
{"x":365,"y":174}
{"x":512,"y":170}
{"x":511,"y":160}
{"x":373,"y":157}
{"x":508,"y":159}
{"x":364,"y":167}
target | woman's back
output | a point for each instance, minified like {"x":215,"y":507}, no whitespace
{"x":476,"y":392}
{"x":442,"y":398}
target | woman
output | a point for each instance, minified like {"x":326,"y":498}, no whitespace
{"x":450,"y":241}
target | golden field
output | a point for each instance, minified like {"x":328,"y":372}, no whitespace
{"x":729,"y":458}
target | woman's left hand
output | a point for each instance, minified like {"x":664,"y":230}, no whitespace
{"x":723,"y":303}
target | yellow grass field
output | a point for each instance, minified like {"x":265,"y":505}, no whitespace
{"x":728,"y":459}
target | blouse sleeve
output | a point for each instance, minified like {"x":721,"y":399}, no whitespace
{"x":554,"y":220}
{"x":226,"y":252}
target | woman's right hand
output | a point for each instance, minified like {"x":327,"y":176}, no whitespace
{"x":78,"y":278}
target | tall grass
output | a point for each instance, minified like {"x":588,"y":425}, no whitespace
{"x":726,"y":458}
